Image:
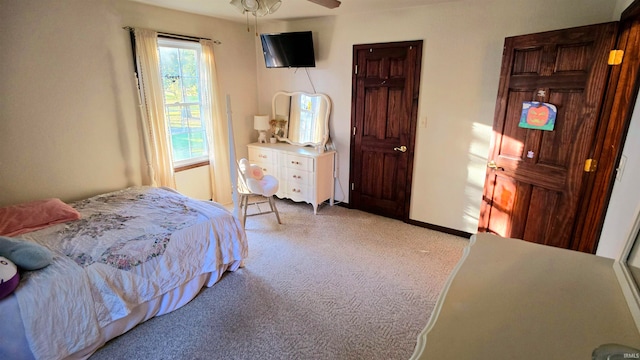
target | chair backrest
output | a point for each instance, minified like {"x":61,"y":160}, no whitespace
{"x":241,"y":167}
{"x":251,"y":180}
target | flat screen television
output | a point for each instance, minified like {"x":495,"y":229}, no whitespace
{"x":288,"y":50}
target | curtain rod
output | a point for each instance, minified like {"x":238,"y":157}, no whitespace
{"x":177,"y":36}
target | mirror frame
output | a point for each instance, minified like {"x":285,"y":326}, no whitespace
{"x":630,"y":288}
{"x":325,"y":136}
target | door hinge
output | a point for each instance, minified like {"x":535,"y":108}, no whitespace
{"x":353,"y":186}
{"x":590,"y":165}
{"x":356,"y":69}
{"x":615,"y":57}
{"x":354,"y":131}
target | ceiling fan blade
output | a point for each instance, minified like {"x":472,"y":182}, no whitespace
{"x":331,"y":4}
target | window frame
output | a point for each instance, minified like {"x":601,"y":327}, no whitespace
{"x":197,"y":161}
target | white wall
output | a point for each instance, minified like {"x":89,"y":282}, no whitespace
{"x":625,"y":197}
{"x":69,"y":124}
{"x":67,"y":113}
{"x":621,"y":5}
{"x":195,"y":183}
{"x":461,"y":63}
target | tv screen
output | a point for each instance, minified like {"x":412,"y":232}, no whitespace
{"x":291,"y":49}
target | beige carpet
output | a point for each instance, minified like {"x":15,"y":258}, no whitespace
{"x":342,"y":284}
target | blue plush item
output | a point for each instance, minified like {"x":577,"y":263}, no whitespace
{"x":9,"y":277}
{"x":26,"y":255}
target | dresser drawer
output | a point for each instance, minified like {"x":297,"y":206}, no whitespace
{"x":298,"y":162}
{"x":298,"y":192}
{"x":295,"y":176}
{"x":258,"y":155}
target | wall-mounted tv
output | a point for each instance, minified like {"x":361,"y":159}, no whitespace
{"x":290,"y":49}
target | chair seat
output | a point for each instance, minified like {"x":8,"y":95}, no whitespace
{"x":269,"y":185}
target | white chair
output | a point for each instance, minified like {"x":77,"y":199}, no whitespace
{"x":252,"y":182}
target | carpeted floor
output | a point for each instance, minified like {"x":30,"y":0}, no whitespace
{"x":342,"y":284}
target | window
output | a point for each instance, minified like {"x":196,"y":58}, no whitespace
{"x":180,"y":71}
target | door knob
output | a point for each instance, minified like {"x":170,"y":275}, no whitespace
{"x":401,"y":148}
{"x":492,"y":165}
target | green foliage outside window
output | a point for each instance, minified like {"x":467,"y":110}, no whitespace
{"x":181,"y":84}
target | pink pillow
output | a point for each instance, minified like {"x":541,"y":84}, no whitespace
{"x":35,"y":215}
{"x":255,"y":172}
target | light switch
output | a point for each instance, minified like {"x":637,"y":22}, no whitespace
{"x":423,"y":122}
{"x":620,"y":169}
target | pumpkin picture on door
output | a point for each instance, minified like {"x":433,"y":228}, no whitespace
{"x":538,"y":115}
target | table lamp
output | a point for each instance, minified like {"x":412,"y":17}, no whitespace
{"x":261,"y":123}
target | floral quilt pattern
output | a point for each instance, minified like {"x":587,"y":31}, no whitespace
{"x":111,"y":232}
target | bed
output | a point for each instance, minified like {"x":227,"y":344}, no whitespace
{"x":133,"y":254}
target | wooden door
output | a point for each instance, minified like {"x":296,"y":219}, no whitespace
{"x":618,"y":107}
{"x":534,"y":187}
{"x":386,"y":79}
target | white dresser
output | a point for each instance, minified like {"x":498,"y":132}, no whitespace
{"x":512,"y":299}
{"x":304,"y":173}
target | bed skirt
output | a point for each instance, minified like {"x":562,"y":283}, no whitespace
{"x":17,"y":347}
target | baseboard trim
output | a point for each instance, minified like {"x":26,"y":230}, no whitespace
{"x":446,"y":230}
{"x":443,"y":229}
{"x":343,"y":204}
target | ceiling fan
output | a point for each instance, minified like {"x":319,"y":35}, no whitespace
{"x":264,"y":7}
{"x":331,"y":4}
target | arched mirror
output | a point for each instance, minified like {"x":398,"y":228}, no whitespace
{"x":301,"y":118}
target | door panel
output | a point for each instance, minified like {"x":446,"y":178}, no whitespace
{"x":534,"y":190}
{"x":385,"y":94}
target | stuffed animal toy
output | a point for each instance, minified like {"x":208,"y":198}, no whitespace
{"x":9,"y":277}
{"x":25,"y":254}
{"x":251,"y":171}
{"x":255,"y":172}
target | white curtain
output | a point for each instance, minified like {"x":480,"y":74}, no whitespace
{"x":295,"y":119}
{"x":217,"y":129}
{"x":320,"y":108}
{"x":157,"y":144}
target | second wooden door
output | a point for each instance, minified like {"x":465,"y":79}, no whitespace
{"x":535,"y":178}
{"x":386,"y":79}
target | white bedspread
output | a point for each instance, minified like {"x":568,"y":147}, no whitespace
{"x":129,"y":247}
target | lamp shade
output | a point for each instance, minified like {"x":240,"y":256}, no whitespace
{"x":261,"y":122}
{"x":250,"y":5}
